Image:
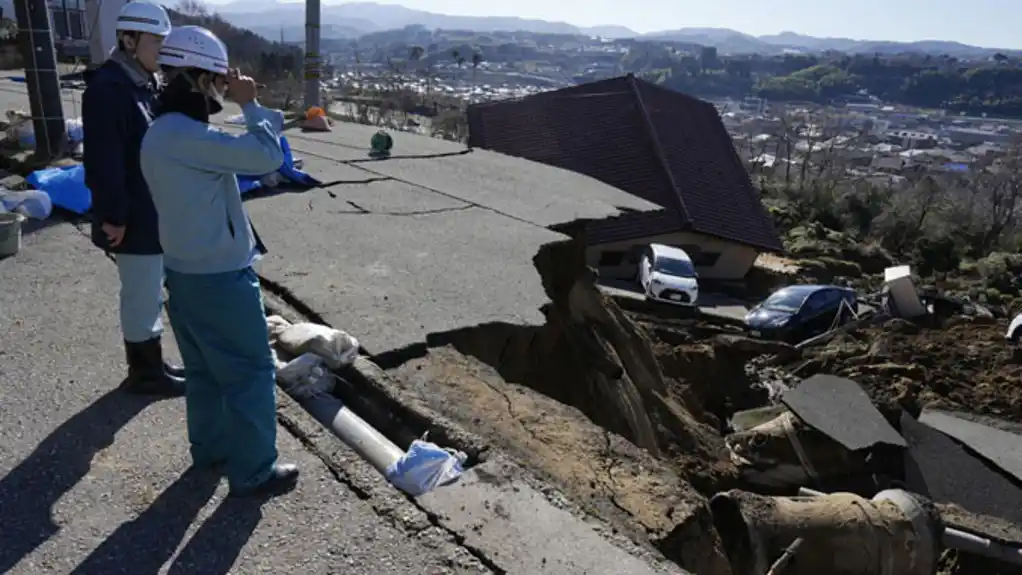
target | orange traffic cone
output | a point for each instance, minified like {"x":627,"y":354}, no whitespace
{"x":316,"y":124}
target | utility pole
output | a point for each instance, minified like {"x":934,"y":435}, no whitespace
{"x":35,"y":39}
{"x":312,"y":63}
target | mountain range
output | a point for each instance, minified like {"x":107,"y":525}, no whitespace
{"x":275,"y":20}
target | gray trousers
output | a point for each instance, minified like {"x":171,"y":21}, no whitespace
{"x":141,"y":296}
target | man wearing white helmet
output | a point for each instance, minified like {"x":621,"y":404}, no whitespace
{"x":209,"y":248}
{"x":117,"y":108}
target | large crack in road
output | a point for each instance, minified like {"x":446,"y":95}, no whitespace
{"x":399,"y":510}
{"x":590,"y":357}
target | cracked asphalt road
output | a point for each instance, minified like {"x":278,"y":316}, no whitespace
{"x":437,"y":244}
{"x":91,"y":480}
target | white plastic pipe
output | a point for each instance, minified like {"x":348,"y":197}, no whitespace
{"x":369,"y":443}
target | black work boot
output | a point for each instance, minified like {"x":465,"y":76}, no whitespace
{"x":173,"y":370}
{"x":283,"y":478}
{"x":147,"y":374}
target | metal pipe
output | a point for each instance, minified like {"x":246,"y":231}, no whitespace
{"x":36,"y":42}
{"x":961,"y":540}
{"x":369,"y":443}
{"x":312,"y":63}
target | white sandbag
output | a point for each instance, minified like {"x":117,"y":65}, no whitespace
{"x":333,"y":345}
{"x":276,"y":325}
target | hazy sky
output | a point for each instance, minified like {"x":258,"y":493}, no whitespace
{"x":994,"y":23}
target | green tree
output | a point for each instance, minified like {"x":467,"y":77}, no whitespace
{"x":477,"y":58}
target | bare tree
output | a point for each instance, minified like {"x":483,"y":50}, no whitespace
{"x":193,"y":8}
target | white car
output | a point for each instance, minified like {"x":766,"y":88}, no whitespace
{"x":666,"y":273}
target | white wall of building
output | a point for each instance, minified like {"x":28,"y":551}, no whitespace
{"x":102,"y":36}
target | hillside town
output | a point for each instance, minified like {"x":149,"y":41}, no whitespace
{"x":883,"y":144}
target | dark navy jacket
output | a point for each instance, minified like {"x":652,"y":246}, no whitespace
{"x":116,"y":112}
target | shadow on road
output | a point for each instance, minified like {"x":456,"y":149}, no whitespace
{"x":29,"y":226}
{"x":216,"y":545}
{"x":29,"y":491}
{"x":149,"y":540}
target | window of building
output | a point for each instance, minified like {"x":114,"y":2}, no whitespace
{"x":700,"y":257}
{"x":76,"y":18}
{"x":706,"y":259}
{"x":59,"y":25}
{"x":68,"y":18}
{"x":611,"y":258}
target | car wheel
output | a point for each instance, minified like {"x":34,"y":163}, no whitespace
{"x":1016,"y":335}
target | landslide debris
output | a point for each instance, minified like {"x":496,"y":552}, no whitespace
{"x":965,"y":364}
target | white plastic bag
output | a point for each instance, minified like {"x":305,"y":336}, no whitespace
{"x":306,"y":375}
{"x":21,"y":129}
{"x":30,"y":203}
{"x":425,"y":467}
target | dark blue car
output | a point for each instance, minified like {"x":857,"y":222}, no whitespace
{"x":799,"y":312}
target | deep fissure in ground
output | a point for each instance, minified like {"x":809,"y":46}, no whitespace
{"x":667,"y":395}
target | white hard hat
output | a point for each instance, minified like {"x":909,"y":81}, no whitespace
{"x":194,"y":47}
{"x":143,"y":17}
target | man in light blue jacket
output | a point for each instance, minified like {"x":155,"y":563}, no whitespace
{"x":209,"y":248}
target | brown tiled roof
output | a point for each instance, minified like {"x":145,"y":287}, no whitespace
{"x":660,"y":145}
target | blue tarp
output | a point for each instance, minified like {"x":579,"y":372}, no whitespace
{"x":66,"y":185}
{"x":292,"y":175}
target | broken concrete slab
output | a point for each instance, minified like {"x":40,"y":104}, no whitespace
{"x":840,"y":408}
{"x":938,"y":468}
{"x":390,"y":280}
{"x":530,"y":191}
{"x":1000,"y":446}
{"x":522,"y":531}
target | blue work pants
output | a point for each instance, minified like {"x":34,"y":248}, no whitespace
{"x":141,"y":296}
{"x":230,"y":389}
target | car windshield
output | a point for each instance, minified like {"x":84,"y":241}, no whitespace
{"x":673,"y":267}
{"x":787,"y":299}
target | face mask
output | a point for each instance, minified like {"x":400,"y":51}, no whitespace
{"x":216,"y":94}
{"x":214,"y":97}
{"x":215,"y":103}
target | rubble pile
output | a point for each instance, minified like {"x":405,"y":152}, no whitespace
{"x":965,"y":364}
{"x":674,"y":388}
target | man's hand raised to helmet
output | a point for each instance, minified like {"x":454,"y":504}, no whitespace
{"x":241,"y":89}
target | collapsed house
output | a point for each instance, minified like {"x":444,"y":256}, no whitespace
{"x":657,"y":144}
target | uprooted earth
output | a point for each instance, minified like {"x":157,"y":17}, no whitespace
{"x":628,"y":412}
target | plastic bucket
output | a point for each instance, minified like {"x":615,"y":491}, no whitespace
{"x":10,"y":233}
